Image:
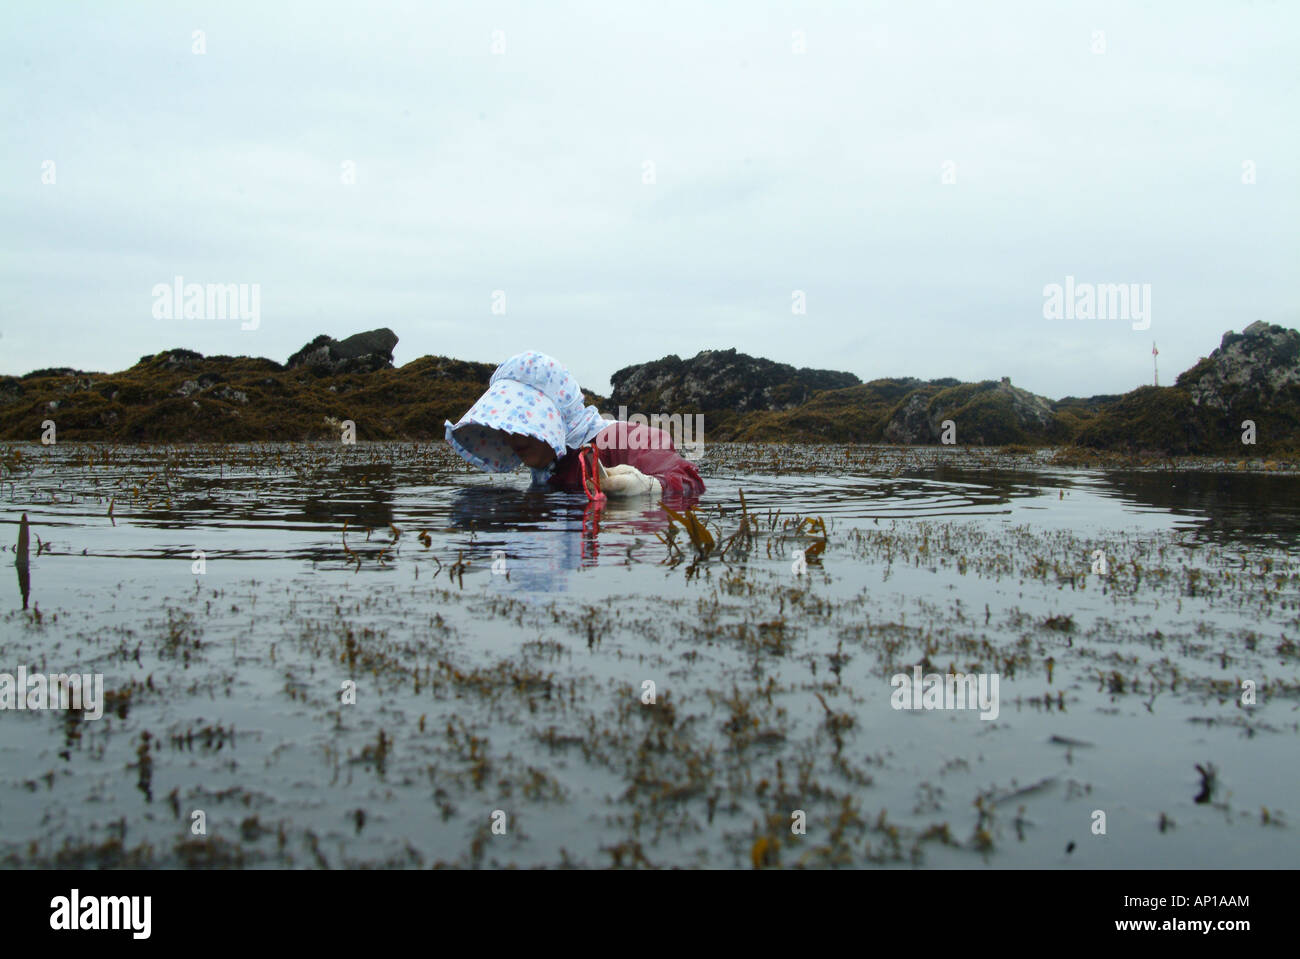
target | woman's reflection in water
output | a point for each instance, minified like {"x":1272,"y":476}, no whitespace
{"x":541,"y":538}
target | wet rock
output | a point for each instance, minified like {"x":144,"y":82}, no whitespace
{"x":359,"y":353}
{"x":720,"y":380}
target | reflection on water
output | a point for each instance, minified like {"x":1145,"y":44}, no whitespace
{"x":851,"y":496}
{"x":518,"y":684}
{"x":1247,"y":508}
{"x":533,"y":539}
{"x":385,"y":501}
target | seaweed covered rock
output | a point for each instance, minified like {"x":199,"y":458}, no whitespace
{"x":359,"y":353}
{"x":720,"y":380}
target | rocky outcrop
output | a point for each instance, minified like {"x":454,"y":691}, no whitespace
{"x":53,"y":371}
{"x":1249,"y":371}
{"x":985,"y":413}
{"x":446,"y":368}
{"x":181,"y":395}
{"x":909,"y":424}
{"x":719,"y":380}
{"x":1028,"y":410}
{"x":207,"y":386}
{"x":173,"y":360}
{"x":359,"y":353}
{"x":1252,"y":378}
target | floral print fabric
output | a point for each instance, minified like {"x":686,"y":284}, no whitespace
{"x":530,"y":394}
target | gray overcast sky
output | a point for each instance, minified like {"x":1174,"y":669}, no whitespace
{"x":775,"y":171}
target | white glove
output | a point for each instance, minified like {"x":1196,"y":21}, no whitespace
{"x":627,"y":480}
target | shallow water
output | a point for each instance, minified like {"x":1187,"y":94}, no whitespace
{"x":513,"y":684}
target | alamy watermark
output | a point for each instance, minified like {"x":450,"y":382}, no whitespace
{"x":1098,"y":301}
{"x":933,"y":691}
{"x":208,"y":301}
{"x":128,"y":913}
{"x":686,"y":432}
{"x":82,"y":691}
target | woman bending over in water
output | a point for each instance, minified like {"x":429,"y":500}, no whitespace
{"x":533,"y":414}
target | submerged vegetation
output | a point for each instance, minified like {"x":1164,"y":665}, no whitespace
{"x":683,"y":687}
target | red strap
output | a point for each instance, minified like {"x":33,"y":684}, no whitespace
{"x":590,"y":466}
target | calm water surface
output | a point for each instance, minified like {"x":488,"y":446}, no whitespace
{"x":500,"y":641}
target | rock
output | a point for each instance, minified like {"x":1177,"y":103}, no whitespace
{"x":359,"y":353}
{"x":314,"y":353}
{"x":910,"y":423}
{"x":446,"y":368}
{"x":719,"y":380}
{"x":174,"y":360}
{"x":1248,"y":372}
{"x":985,"y":413}
{"x":1031,"y":411}
{"x":204,"y":381}
{"x":230,"y":395}
{"x":52,"y":371}
{"x":357,"y":345}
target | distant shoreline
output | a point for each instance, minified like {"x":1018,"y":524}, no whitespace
{"x":14,"y":454}
{"x":1242,"y":402}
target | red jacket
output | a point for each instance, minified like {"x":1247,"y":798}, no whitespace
{"x":649,"y":450}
